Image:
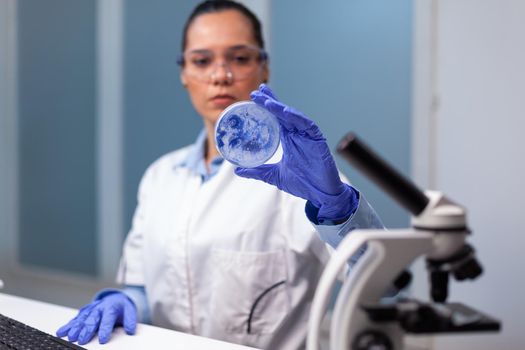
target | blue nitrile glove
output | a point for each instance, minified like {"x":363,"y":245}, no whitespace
{"x":101,"y":315}
{"x":307,"y":168}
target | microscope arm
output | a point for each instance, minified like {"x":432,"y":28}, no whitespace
{"x":388,"y":253}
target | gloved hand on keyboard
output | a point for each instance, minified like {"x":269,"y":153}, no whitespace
{"x":101,"y":315}
{"x":307,"y":168}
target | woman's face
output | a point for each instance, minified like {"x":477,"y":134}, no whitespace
{"x":218,"y":33}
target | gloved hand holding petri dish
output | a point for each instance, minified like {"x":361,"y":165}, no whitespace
{"x":247,"y":134}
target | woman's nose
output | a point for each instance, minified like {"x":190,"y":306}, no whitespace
{"x":222,"y":74}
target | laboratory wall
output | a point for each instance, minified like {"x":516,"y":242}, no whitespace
{"x":347,"y":65}
{"x":474,"y":134}
{"x":5,"y":160}
{"x":56,"y":135}
{"x":48,"y":147}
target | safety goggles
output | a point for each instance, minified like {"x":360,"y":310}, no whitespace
{"x":239,"y":62}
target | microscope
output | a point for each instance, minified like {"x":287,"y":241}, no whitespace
{"x":361,"y":320}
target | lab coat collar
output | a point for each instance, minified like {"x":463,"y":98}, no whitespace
{"x":194,"y":160}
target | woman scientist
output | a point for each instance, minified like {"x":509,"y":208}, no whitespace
{"x":213,"y":253}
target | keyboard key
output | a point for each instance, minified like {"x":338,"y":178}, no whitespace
{"x":15,"y":335}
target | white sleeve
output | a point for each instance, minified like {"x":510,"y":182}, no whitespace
{"x":364,"y":217}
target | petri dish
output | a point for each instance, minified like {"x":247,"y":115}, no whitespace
{"x":247,"y":134}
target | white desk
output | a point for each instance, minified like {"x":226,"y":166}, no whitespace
{"x":49,"y":317}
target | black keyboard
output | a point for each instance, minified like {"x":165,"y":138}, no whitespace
{"x":17,"y":335}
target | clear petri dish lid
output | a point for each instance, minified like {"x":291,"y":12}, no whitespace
{"x":247,"y":134}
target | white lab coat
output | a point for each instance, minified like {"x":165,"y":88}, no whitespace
{"x":206,"y":252}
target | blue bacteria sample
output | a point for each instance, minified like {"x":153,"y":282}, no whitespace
{"x":246,"y":134}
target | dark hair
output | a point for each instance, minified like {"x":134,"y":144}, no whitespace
{"x":213,"y":6}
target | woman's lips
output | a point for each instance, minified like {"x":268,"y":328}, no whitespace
{"x":223,"y":100}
